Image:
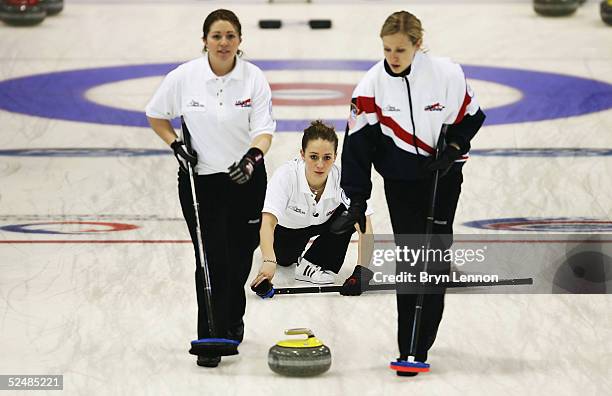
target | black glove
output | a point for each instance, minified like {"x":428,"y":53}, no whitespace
{"x":346,"y":221}
{"x":240,"y":172}
{"x":443,"y":164}
{"x":358,"y":282}
{"x":264,"y":289}
{"x":183,"y":155}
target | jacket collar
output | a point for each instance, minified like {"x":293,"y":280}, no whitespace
{"x":236,"y":73}
{"x":393,"y":74}
{"x":415,"y":63}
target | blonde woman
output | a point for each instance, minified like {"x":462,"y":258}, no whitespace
{"x":397,"y":114}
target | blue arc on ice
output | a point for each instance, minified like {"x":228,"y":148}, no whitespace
{"x":61,"y":95}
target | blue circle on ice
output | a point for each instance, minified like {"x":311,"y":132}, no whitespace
{"x":61,"y":95}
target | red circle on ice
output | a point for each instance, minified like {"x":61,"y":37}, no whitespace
{"x":311,"y":94}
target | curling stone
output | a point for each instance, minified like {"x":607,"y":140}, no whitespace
{"x":605,"y":10}
{"x":299,"y":357}
{"x":555,"y":7}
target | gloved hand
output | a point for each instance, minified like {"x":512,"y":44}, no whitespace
{"x":447,"y":158}
{"x":266,"y":272}
{"x":183,"y":155}
{"x":241,"y":171}
{"x":358,"y":282}
{"x":346,"y":221}
{"x":264,"y":289}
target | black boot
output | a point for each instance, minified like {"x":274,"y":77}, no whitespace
{"x":236,"y":332}
{"x":408,"y":373}
{"x":208,"y":361}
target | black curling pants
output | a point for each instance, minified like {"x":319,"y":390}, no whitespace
{"x":327,"y":251}
{"x":230,"y":217}
{"x":409,"y":203}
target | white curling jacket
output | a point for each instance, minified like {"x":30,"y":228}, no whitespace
{"x":396,"y":120}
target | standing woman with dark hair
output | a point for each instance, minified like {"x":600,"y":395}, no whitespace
{"x":226,"y":104}
{"x":398,"y":110}
{"x":302,"y":200}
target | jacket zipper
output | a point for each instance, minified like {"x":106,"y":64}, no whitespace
{"x":411,"y":116}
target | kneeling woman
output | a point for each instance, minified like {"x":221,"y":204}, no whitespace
{"x":303,"y":198}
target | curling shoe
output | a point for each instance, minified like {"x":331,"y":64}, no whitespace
{"x":236,"y":332}
{"x":309,"y":272}
{"x":406,"y":374}
{"x":404,"y":359}
{"x":208,"y":361}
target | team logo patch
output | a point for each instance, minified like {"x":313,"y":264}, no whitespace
{"x":243,"y":103}
{"x":296,"y":209}
{"x":434,"y":107}
{"x":391,"y":108}
{"x":194,"y":103}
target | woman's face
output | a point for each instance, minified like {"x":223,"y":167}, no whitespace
{"x":222,"y":41}
{"x":319,"y":158}
{"x":399,"y":51}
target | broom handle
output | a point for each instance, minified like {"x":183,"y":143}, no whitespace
{"x":201,"y":253}
{"x":428,"y":233}
{"x":393,"y":286}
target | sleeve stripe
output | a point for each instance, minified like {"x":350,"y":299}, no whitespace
{"x":366,"y":104}
{"x":466,"y":101}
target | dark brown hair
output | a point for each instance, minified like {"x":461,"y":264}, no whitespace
{"x":318,"y":130}
{"x":222,"y":15}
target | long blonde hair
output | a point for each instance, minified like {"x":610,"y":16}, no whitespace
{"x":403,"y":22}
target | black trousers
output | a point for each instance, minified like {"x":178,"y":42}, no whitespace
{"x":409,"y":203}
{"x":230,"y":217}
{"x":327,"y":251}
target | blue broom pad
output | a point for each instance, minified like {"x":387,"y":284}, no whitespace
{"x":214,"y":341}
{"x":403,"y":363}
{"x":214,"y":347}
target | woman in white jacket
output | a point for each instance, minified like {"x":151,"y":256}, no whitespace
{"x":397,"y":114}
